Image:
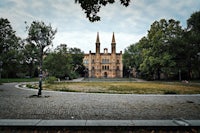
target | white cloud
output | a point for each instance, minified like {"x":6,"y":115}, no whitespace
{"x":130,"y":23}
{"x":87,"y":40}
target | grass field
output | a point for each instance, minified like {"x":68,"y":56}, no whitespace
{"x":9,"y":80}
{"x":126,"y":87}
{"x":113,"y":87}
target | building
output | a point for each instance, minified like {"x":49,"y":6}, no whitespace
{"x":108,"y":65}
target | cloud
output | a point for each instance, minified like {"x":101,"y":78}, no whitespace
{"x":130,"y":23}
{"x":87,"y":40}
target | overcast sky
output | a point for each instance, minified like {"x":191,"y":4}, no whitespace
{"x":74,"y":29}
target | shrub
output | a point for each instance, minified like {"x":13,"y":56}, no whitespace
{"x":33,"y":86}
{"x":50,"y":80}
{"x":170,"y":92}
{"x":73,"y":75}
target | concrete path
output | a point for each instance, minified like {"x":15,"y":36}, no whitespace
{"x":18,"y":103}
{"x":104,"y":123}
{"x":77,"y":80}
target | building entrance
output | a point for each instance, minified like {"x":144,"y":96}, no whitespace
{"x":105,"y":74}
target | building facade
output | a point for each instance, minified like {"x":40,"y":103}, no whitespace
{"x":107,"y":65}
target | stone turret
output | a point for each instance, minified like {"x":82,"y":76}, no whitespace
{"x":113,"y":44}
{"x":97,"y":44}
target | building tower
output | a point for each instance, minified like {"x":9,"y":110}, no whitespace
{"x":113,"y":44}
{"x":96,"y":70}
{"x":97,"y":44}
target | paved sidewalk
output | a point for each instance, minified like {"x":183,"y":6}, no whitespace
{"x":77,"y":80}
{"x":18,"y":103}
{"x":104,"y":123}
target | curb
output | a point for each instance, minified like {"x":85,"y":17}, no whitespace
{"x":95,"y":123}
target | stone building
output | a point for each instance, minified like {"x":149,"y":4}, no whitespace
{"x":108,"y":65}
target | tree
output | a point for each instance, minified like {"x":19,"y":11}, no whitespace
{"x":156,"y":53}
{"x":159,"y":56}
{"x":193,"y":22}
{"x":92,"y":7}
{"x":192,"y":38}
{"x":77,"y":60}
{"x":58,"y":63}
{"x":9,"y":46}
{"x":64,"y":62}
{"x":30,"y":54}
{"x":132,"y":58}
{"x":40,"y":35}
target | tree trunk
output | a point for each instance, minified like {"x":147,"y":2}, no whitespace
{"x":158,"y":73}
{"x":30,"y":69}
{"x":40,"y":73}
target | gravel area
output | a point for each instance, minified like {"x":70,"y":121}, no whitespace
{"x":18,"y":103}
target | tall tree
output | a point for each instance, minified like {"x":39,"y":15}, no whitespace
{"x":40,"y":35}
{"x":132,"y":58}
{"x":58,"y":63}
{"x":64,"y":62}
{"x":192,"y":37}
{"x":92,"y":7}
{"x":159,"y":55}
{"x":9,"y":45}
{"x":77,"y":59}
{"x":30,"y":54}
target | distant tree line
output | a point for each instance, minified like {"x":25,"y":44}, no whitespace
{"x":24,"y":57}
{"x":167,"y":52}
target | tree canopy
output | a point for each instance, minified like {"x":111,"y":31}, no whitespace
{"x":92,"y":7}
{"x":64,"y":62}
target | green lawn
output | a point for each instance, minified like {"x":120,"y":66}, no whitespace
{"x":9,"y":80}
{"x":116,"y":87}
{"x":126,"y":87}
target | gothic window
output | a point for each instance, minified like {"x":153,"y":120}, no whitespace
{"x":104,"y":61}
{"x":118,"y":61}
{"x":117,"y":67}
{"x":92,"y":60}
{"x":105,"y":68}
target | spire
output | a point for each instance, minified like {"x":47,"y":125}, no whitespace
{"x":113,"y":44}
{"x":113,"y":38}
{"x":97,"y":44}
{"x":97,"y":41}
